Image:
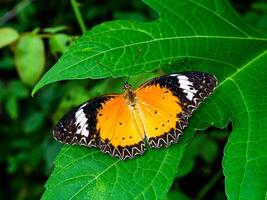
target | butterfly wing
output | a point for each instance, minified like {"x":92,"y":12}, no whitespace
{"x":104,"y":122}
{"x":165,"y":103}
{"x":79,"y":126}
{"x":161,"y":114}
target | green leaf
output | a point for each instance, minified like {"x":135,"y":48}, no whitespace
{"x":6,"y":63}
{"x":18,"y":89}
{"x":7,"y":36}
{"x":176,"y":196}
{"x":200,"y":146}
{"x":245,"y":157}
{"x":33,"y":122}
{"x":136,"y":16}
{"x":12,"y":107}
{"x":186,"y":166}
{"x":204,"y":35}
{"x":208,"y":150}
{"x":30,"y":58}
{"x":3,"y":92}
{"x":81,"y":173}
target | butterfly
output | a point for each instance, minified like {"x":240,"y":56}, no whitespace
{"x":155,"y":115}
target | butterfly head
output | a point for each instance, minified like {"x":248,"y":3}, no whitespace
{"x":126,"y":87}
{"x":129,"y":95}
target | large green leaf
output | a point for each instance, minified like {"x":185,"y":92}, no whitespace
{"x":186,"y":29}
{"x":203,"y":35}
{"x":245,"y":160}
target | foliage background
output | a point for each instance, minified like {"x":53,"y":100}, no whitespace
{"x":27,"y":148}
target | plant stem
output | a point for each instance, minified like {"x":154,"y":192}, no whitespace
{"x":78,"y":15}
{"x":209,"y":185}
{"x":14,"y":11}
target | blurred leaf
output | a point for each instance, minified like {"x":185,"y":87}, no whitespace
{"x":220,"y":196}
{"x":258,"y":14}
{"x":50,"y":150}
{"x":34,"y":158}
{"x":186,"y":166}
{"x":176,"y":195}
{"x":6,"y":63}
{"x":12,"y":165}
{"x":15,"y":161}
{"x":208,"y":150}
{"x":26,"y":18}
{"x":218,"y":133}
{"x":18,"y":89}
{"x":260,"y":5}
{"x":136,"y":16}
{"x":202,"y":146}
{"x":30,"y":58}
{"x":47,"y":101}
{"x":33,"y":122}
{"x":22,"y":143}
{"x":3,"y":91}
{"x":55,"y":29}
{"x":12,"y":107}
{"x":59,"y":43}
{"x":8,"y":36}
{"x":263,"y":21}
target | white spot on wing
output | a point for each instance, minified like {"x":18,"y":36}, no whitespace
{"x":187,"y":87}
{"x":81,"y":122}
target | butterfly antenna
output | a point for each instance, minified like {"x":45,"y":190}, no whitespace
{"x":135,"y":59}
{"x":112,"y":72}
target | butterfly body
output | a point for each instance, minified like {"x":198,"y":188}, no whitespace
{"x":129,"y":95}
{"x":156,"y":114}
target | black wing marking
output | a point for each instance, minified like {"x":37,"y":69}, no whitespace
{"x":79,"y":126}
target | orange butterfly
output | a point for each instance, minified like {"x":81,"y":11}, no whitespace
{"x":155,"y":113}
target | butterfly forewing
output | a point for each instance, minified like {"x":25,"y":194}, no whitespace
{"x":167,"y":102}
{"x":79,"y":126}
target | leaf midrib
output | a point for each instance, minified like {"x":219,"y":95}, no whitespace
{"x":100,"y":174}
{"x":156,"y":40}
{"x":142,"y":193}
{"x":248,"y":136}
{"x":231,"y":78}
{"x":222,"y":18}
{"x":242,"y":68}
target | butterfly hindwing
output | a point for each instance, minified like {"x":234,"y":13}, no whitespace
{"x":159,"y":110}
{"x":168,"y":101}
{"x":120,"y":130}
